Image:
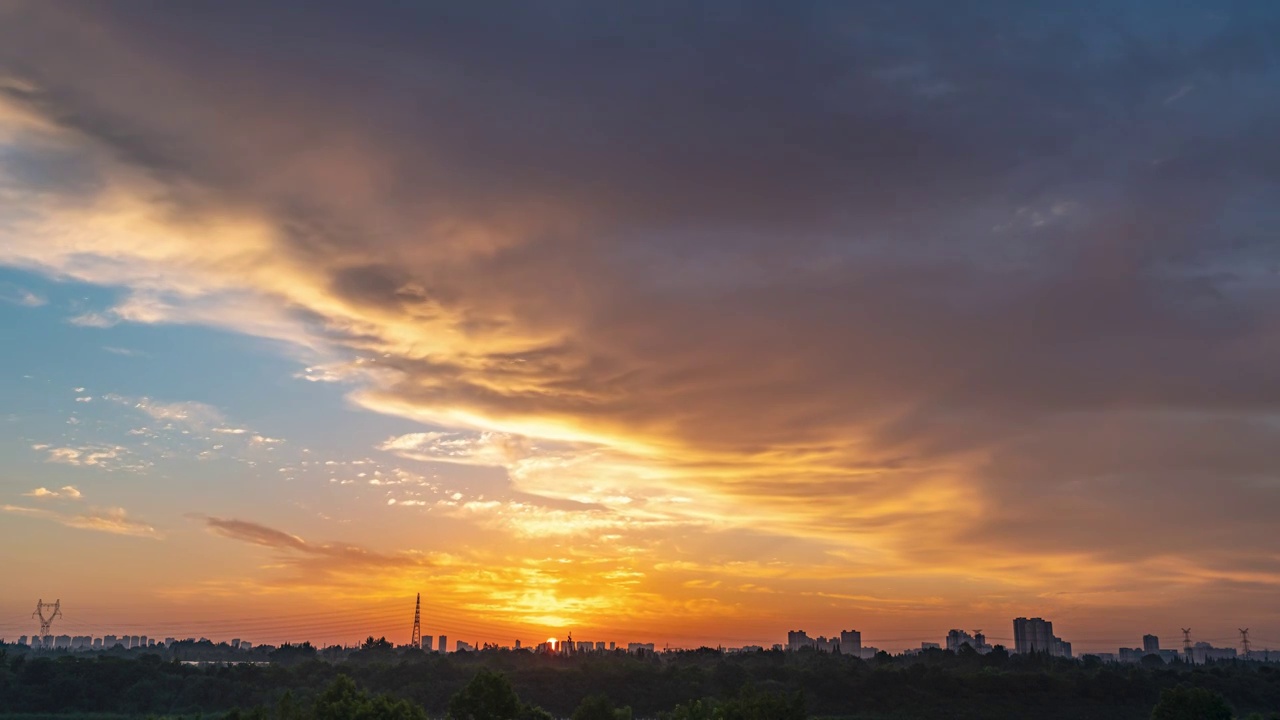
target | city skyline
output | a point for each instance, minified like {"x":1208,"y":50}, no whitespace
{"x":680,"y":323}
{"x":1028,"y":635}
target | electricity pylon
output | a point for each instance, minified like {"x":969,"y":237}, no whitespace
{"x":45,"y":622}
{"x":416,"y":640}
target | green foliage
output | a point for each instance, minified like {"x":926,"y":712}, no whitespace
{"x":488,"y":696}
{"x":750,"y":705}
{"x":599,"y":707}
{"x":1182,"y":703}
{"x":342,"y":701}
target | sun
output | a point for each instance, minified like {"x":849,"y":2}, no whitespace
{"x":551,"y":640}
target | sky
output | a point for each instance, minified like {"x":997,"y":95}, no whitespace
{"x":663,"y":322}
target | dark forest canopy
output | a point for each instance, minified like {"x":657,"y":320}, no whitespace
{"x":379,"y":681}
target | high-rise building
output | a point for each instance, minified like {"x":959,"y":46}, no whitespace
{"x":957,"y":639}
{"x":1151,"y":644}
{"x":851,"y":643}
{"x":1036,"y":635}
{"x":797,"y":639}
{"x":1032,"y":635}
{"x":426,"y":642}
{"x":444,"y":643}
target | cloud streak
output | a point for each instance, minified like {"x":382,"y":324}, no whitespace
{"x":109,"y":520}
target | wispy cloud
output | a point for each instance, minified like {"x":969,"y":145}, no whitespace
{"x":89,"y":455}
{"x":108,"y":520}
{"x":16,"y":295}
{"x":94,"y":320}
{"x":310,"y":562}
{"x":67,"y":492}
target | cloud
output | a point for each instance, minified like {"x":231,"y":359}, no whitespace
{"x":885,"y":291}
{"x":127,"y":352}
{"x":67,"y":492}
{"x":188,"y":413}
{"x":108,"y":520}
{"x":94,"y":320}
{"x":314,"y":564}
{"x":89,"y":455}
{"x":16,"y":295}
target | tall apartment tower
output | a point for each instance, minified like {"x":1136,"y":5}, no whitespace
{"x":1032,"y":635}
{"x":444,"y":643}
{"x":1150,"y":644}
{"x":797,"y":639}
{"x":851,"y":643}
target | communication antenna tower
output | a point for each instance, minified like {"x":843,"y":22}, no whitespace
{"x":416,"y":640}
{"x":1244,"y":640}
{"x":45,"y":622}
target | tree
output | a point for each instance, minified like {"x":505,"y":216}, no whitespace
{"x":599,"y":707}
{"x":694,"y":710}
{"x":342,"y":701}
{"x":753,"y":705}
{"x":1183,"y":703}
{"x":487,"y":697}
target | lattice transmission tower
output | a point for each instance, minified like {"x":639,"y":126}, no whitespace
{"x":416,"y":640}
{"x":45,"y":622}
{"x":1244,"y":640}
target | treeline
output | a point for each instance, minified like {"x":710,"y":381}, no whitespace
{"x":695,"y":685}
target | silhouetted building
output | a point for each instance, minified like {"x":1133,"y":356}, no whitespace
{"x":1131,"y":655}
{"x":1202,"y":652}
{"x":427,"y":639}
{"x":1151,"y":644}
{"x":957,"y":639}
{"x":797,"y":639}
{"x":851,"y":643}
{"x":444,"y":643}
{"x":1036,"y":635}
